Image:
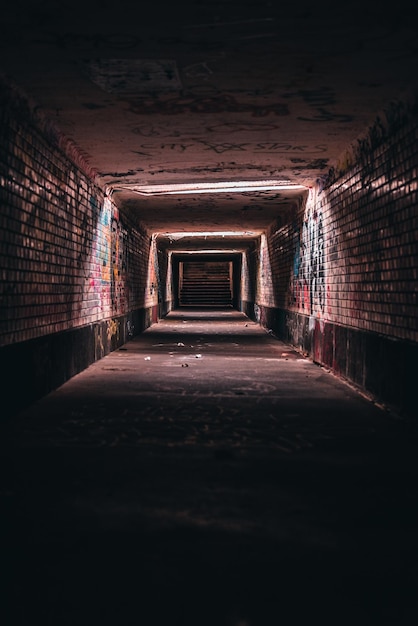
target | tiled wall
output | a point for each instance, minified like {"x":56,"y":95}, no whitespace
{"x":345,"y":266}
{"x":165,"y":295}
{"x":68,"y":258}
{"x":248,"y":286}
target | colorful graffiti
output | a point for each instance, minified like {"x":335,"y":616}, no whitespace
{"x":108,"y":265}
{"x":103,"y":241}
{"x":119,"y":261}
{"x":309,"y":263}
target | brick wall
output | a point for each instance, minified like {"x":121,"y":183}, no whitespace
{"x":68,"y":258}
{"x":165,"y":287}
{"x":345,"y":264}
{"x":248,"y":283}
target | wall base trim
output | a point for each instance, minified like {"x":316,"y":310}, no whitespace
{"x":381,"y":366}
{"x":31,"y":369}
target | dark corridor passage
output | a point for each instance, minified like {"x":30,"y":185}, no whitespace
{"x":207,"y":474}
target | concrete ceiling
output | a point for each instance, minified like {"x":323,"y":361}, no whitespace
{"x":170,"y":92}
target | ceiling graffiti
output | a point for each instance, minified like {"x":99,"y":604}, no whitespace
{"x":134,"y":76}
{"x":209,"y":91}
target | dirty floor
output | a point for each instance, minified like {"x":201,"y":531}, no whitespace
{"x":206,"y":474}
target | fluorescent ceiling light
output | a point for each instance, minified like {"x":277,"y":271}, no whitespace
{"x":201,"y":251}
{"x":211,"y":233}
{"x":220,"y":187}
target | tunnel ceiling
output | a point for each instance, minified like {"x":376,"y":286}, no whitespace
{"x":163,"y":93}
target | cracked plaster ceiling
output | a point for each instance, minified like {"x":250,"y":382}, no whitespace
{"x":162,"y":93}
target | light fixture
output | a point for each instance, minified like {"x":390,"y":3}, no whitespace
{"x":219,"y":187}
{"x":204,"y":251}
{"x":211,"y":233}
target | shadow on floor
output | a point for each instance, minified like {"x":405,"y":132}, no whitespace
{"x":208,"y":474}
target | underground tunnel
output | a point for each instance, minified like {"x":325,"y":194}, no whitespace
{"x":208,"y":312}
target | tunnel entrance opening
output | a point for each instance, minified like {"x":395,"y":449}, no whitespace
{"x":206,"y":280}
{"x":204,"y":268}
{"x":205,"y":283}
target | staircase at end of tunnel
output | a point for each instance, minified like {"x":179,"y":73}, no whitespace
{"x":205,"y":284}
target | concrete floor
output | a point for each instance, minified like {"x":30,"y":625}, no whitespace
{"x":207,"y":474}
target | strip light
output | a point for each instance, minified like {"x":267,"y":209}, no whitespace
{"x":210,"y":233}
{"x":221,"y":187}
